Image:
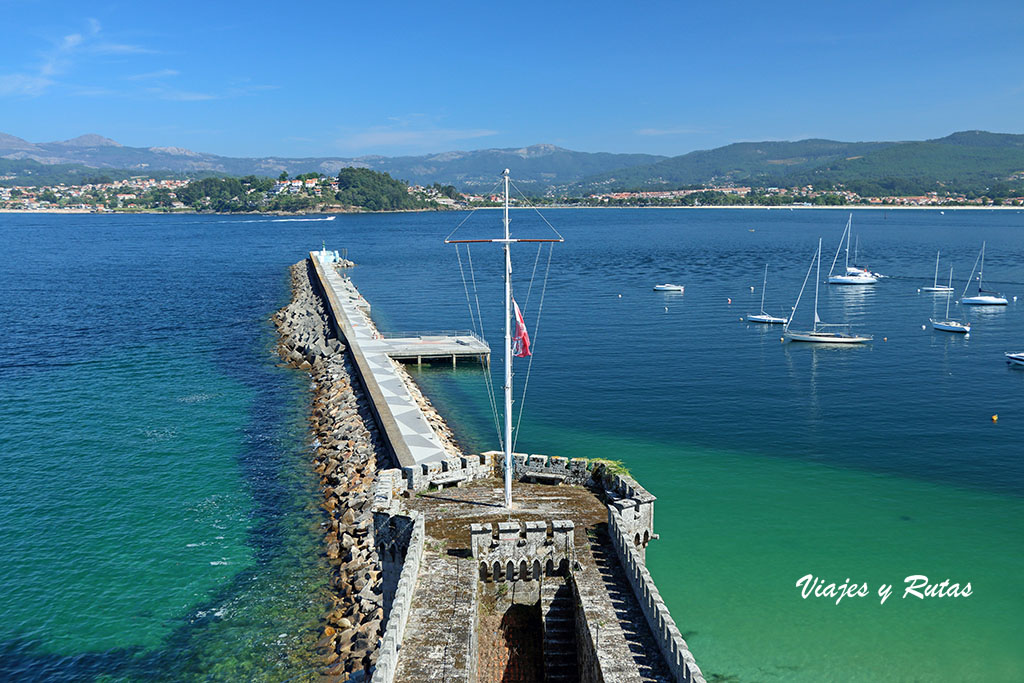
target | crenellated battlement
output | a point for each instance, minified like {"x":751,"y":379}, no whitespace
{"x":515,"y":550}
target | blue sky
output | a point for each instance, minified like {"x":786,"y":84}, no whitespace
{"x":348,"y":78}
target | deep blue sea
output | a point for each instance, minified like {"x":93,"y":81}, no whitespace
{"x":159,"y":518}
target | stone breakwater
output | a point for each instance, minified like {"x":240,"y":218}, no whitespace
{"x":347,"y":453}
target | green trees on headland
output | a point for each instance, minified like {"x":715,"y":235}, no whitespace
{"x":375,"y":191}
{"x":353,"y":189}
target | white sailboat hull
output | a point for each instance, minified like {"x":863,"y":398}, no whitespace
{"x":1017,"y":358}
{"x":852,"y":280}
{"x":767,"y":319}
{"x":939,"y":288}
{"x":669,"y":288}
{"x":951,"y":326}
{"x":826,"y":337}
{"x":984,"y":300}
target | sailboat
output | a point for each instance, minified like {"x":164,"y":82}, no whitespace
{"x":1015,"y":358}
{"x":855,"y":269}
{"x":984,"y":297}
{"x":936,"y":287}
{"x":763,"y":317}
{"x":517,"y":324}
{"x":819,"y":333}
{"x":948,"y":325}
{"x":852,"y":275}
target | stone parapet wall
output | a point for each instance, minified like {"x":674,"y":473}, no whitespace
{"x":523,"y":551}
{"x":588,"y":634}
{"x":398,"y":614}
{"x":635,"y":506}
{"x":673,"y":648}
{"x":451,"y":472}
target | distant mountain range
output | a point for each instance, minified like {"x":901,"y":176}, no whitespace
{"x":970,"y":160}
{"x":537,"y":167}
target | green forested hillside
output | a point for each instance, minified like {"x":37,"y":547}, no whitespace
{"x":742,"y":162}
{"x":970,"y":162}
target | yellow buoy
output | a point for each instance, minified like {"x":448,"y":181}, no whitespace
{"x":995,"y":418}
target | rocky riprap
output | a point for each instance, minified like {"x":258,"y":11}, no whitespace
{"x":348,"y":449}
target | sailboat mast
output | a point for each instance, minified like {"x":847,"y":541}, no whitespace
{"x":508,"y":354}
{"x":981,"y":271}
{"x":935,"y":283}
{"x":763,"y":285}
{"x":949,"y":289}
{"x":848,"y":231}
{"x":817,"y":279}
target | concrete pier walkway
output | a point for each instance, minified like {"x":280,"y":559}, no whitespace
{"x":407,"y":430}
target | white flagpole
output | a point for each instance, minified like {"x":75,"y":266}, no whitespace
{"x":508,"y":355}
{"x":507,"y":243}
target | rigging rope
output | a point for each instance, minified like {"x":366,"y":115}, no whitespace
{"x":472,"y":319}
{"x":488,"y":380}
{"x":533,"y":275}
{"x":536,"y":210}
{"x":536,"y":331}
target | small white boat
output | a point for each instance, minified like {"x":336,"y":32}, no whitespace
{"x":767,"y":319}
{"x":670,"y":288}
{"x":853,"y":275}
{"x":948,"y":325}
{"x":984,"y":297}
{"x":936,"y":287}
{"x":952,"y":326}
{"x":763,"y":317}
{"x":819,"y":333}
{"x":860,"y":279}
{"x":1015,"y":358}
{"x":823,"y":337}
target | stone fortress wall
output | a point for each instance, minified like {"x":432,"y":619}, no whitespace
{"x":516,"y":551}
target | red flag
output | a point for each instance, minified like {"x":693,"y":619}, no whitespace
{"x":520,"y":339}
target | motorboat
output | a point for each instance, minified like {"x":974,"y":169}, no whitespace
{"x":1015,"y":358}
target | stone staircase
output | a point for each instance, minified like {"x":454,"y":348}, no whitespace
{"x":558,"y":612}
{"x":627,"y":649}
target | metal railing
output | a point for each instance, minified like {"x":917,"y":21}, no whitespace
{"x":405,"y":334}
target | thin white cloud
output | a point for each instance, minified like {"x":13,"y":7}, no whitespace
{"x":120,"y":49}
{"x":152,"y":75}
{"x":61,"y":59}
{"x":23,"y":84}
{"x":182,"y":95}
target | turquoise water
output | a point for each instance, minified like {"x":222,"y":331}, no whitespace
{"x":159,"y":517}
